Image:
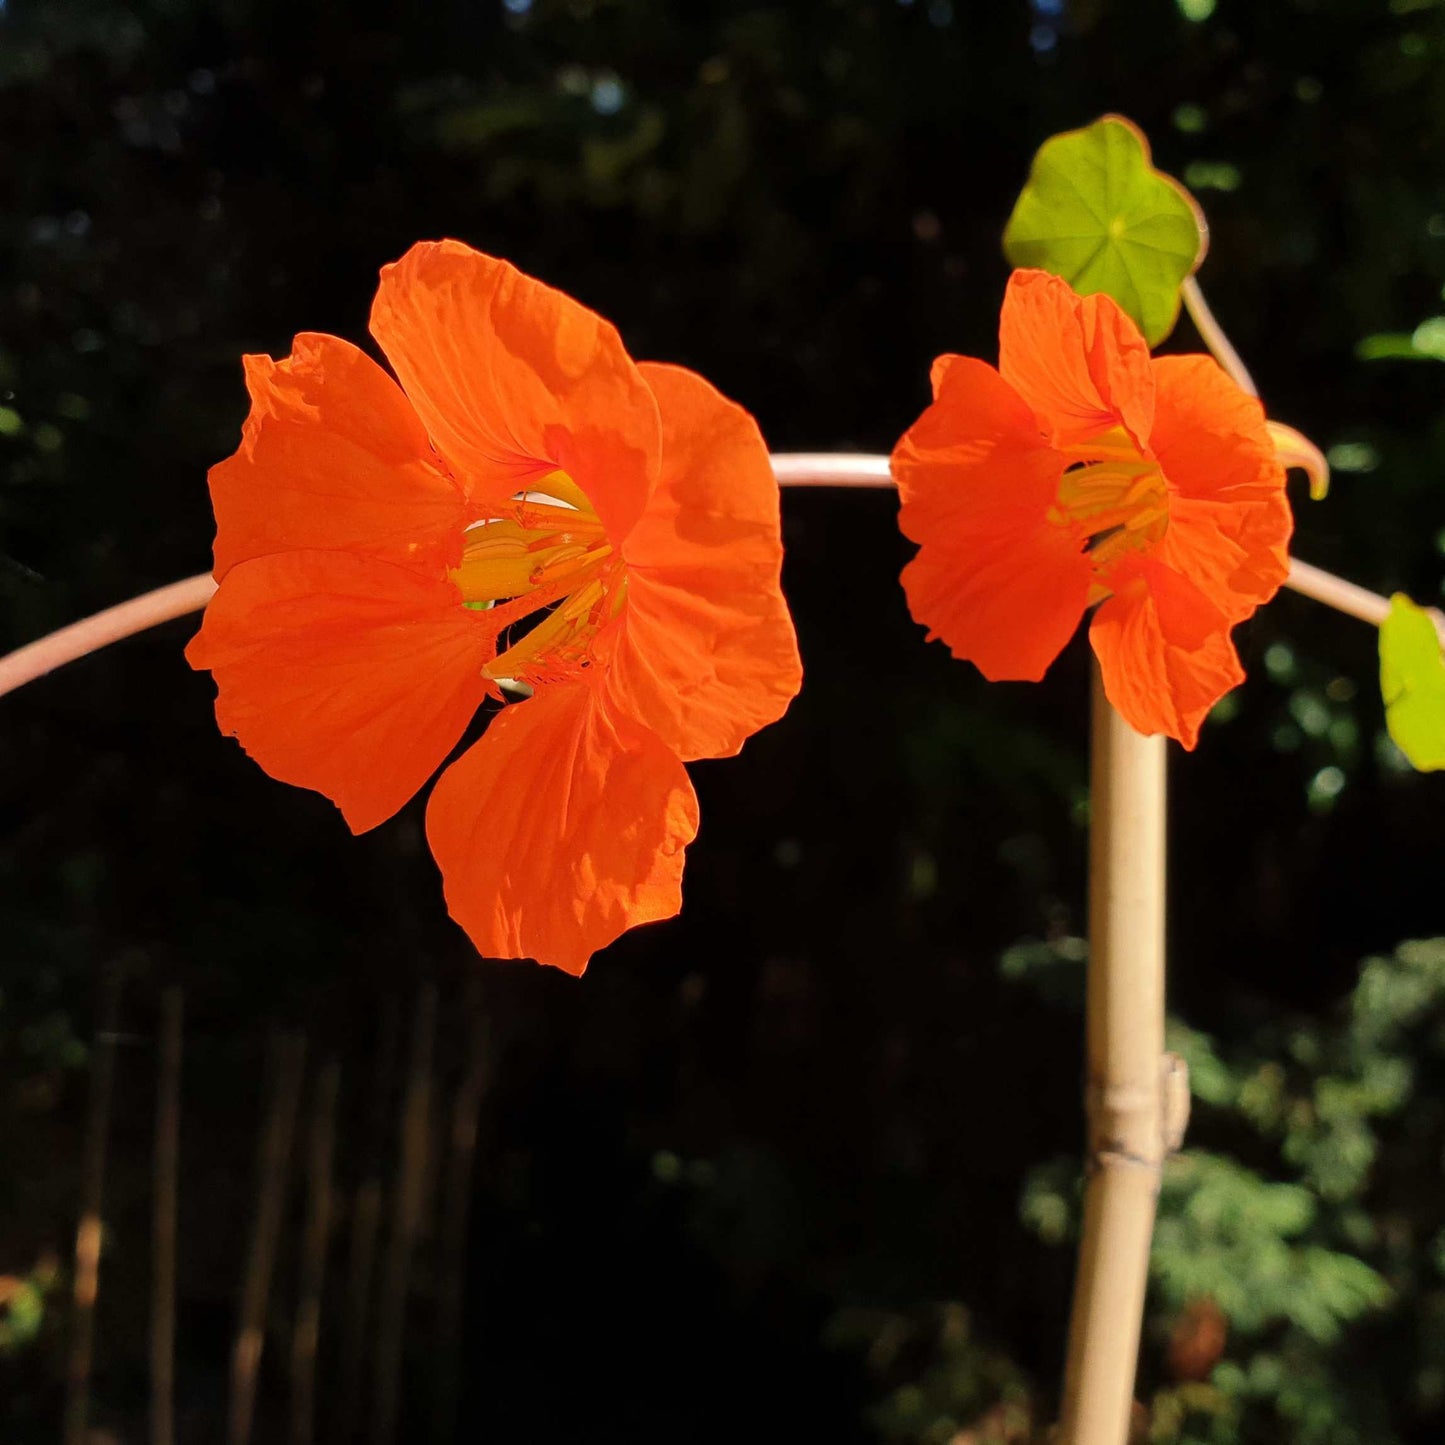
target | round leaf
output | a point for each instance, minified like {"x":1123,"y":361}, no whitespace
{"x":1097,"y":213}
{"x":1412,"y":679}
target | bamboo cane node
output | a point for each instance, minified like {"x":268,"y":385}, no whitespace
{"x":1113,"y":1156}
{"x":1122,"y":1114}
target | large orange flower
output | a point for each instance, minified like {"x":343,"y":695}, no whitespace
{"x":530,"y":513}
{"x":1084,"y":471}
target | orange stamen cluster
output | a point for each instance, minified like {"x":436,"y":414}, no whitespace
{"x":547,"y":549}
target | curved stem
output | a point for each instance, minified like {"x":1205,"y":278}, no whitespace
{"x":1212,"y":334}
{"x":792,"y":469}
{"x":37,"y":658}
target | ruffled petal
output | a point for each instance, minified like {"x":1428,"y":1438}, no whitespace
{"x":514,"y":379}
{"x":1229,"y":515}
{"x":1078,"y":361}
{"x":975,"y":458}
{"x":996,"y":578}
{"x":707,"y":654}
{"x":333,"y":456}
{"x":1236,"y":553}
{"x":343,"y":674}
{"x":563,"y":827}
{"x":1164,"y":650}
{"x":1005,"y":602}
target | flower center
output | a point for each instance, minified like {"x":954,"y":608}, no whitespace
{"x":1116,"y":495}
{"x":547,"y":576}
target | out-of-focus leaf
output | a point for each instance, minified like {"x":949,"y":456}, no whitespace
{"x":1097,"y":213}
{"x":1425,"y":343}
{"x":1412,"y":679}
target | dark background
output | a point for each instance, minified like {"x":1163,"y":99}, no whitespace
{"x":811,"y":1102}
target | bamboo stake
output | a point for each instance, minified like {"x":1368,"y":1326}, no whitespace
{"x":1133,"y":1096}
{"x":164,"y":1220}
{"x":313,"y":1257}
{"x":365,"y":1229}
{"x":289,"y":1056}
{"x":466,"y":1113}
{"x":406,"y":1219}
{"x":88,"y":1231}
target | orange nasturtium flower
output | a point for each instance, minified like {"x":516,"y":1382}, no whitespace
{"x":530,"y":512}
{"x":1083,"y":471}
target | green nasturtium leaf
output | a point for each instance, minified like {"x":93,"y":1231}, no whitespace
{"x":1097,"y":213}
{"x":1412,"y":678}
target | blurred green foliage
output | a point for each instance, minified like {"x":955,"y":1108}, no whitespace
{"x":1298,"y":1282}
{"x":1412,"y":680}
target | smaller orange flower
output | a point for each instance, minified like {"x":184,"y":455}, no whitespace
{"x":529,"y":512}
{"x":1085,"y":472}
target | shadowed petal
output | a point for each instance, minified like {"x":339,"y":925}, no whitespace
{"x":1229,"y":516}
{"x":343,"y":674}
{"x":333,"y":456}
{"x":564,"y":826}
{"x":708,"y":654}
{"x":999,"y":581}
{"x":1078,"y":361}
{"x":1164,"y":650}
{"x":514,"y":379}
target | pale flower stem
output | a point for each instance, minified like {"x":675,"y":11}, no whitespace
{"x":792,"y":469}
{"x":80,"y":638}
{"x":1212,"y":334}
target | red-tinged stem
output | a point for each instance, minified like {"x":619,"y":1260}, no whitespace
{"x":37,"y":658}
{"x":793,"y":469}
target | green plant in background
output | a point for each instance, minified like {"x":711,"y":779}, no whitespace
{"x":967,"y":1390}
{"x":26,"y":1303}
{"x":1298,"y":1266}
{"x":1324,"y":1248}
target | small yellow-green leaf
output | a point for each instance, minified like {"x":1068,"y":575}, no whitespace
{"x":1097,"y":213}
{"x":1412,"y":678}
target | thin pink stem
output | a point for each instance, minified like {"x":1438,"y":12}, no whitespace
{"x":793,"y":469}
{"x":38,"y":658}
{"x":831,"y":469}
{"x":848,"y":469}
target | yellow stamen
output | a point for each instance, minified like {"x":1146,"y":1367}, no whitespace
{"x":546,"y":548}
{"x":1117,"y":495}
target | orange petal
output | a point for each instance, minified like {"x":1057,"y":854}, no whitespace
{"x":1006,"y":603}
{"x":1078,"y":361}
{"x":514,"y":380}
{"x":563,"y":827}
{"x":1164,"y":650}
{"x":708,"y":654}
{"x":998,"y":581}
{"x":1229,"y":516}
{"x":333,"y":456}
{"x":343,"y":674}
{"x":975,"y":458}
